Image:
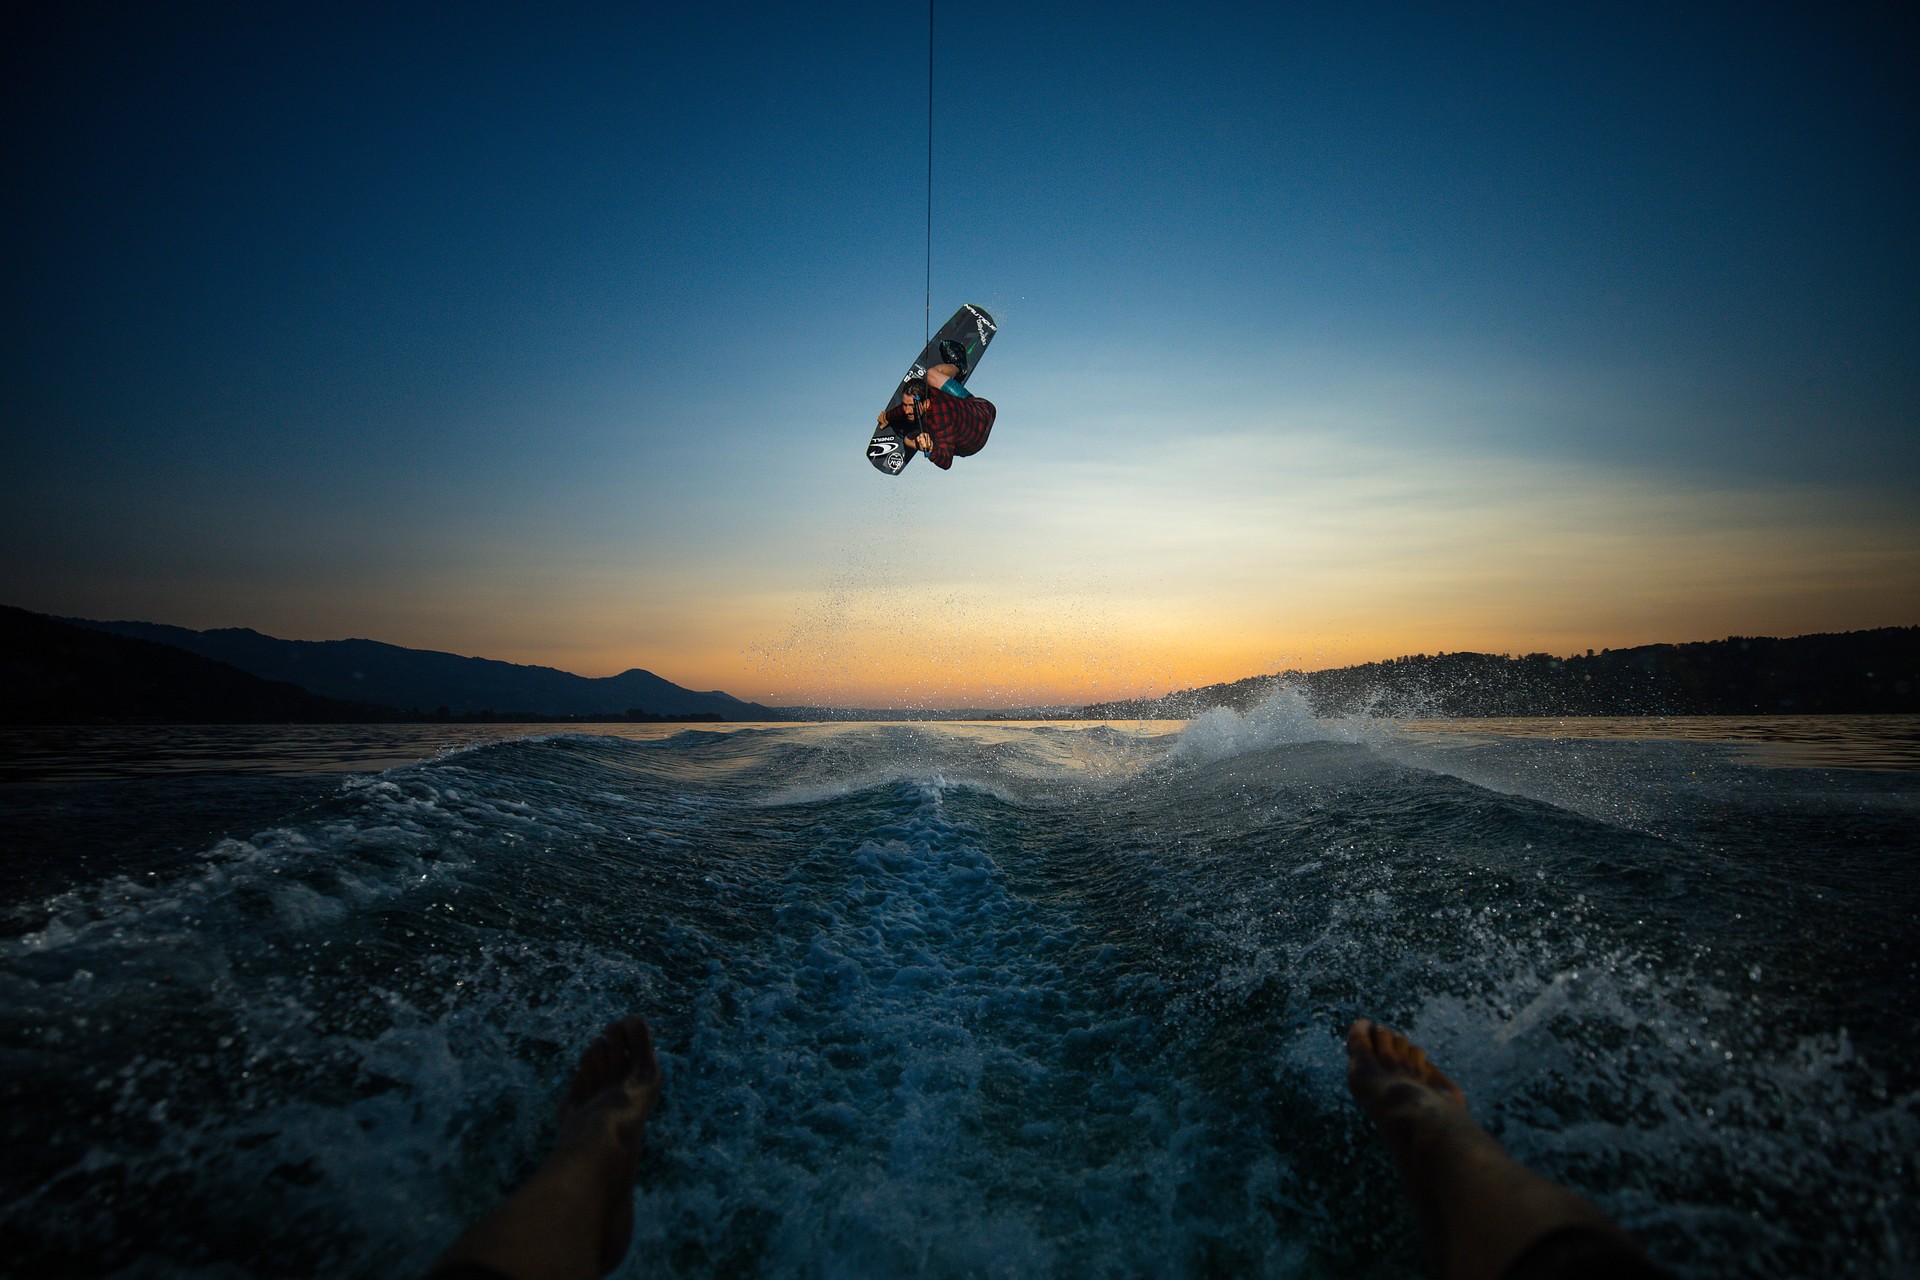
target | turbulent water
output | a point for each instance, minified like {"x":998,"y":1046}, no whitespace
{"x":941,"y":1000}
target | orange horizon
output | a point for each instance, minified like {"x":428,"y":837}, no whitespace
{"x":1060,"y":682}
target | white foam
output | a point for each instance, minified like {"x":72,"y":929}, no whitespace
{"x":917,"y":1035}
{"x":1283,"y":718}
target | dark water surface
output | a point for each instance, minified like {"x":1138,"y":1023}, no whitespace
{"x":955,"y":1000}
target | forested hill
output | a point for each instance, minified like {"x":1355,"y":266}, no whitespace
{"x":427,"y":682}
{"x":1856,"y":671}
{"x":67,"y":671}
{"x":53,"y":672}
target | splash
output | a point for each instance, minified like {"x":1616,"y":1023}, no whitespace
{"x":1284,"y":718}
{"x":967,"y":1000}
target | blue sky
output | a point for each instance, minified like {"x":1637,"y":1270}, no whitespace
{"x":555,"y":335}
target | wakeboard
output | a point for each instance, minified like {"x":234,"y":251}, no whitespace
{"x":961,"y":341}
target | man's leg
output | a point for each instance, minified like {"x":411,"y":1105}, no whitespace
{"x":1480,"y":1212}
{"x":572,"y":1219}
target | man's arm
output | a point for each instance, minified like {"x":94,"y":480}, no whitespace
{"x":924,"y":442}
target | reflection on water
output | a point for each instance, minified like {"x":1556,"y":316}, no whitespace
{"x":1808,"y":742}
{"x":95,"y":753}
{"x":101,"y":753}
{"x":949,"y":1000}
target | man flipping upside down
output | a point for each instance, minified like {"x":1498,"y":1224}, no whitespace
{"x":953,"y":424}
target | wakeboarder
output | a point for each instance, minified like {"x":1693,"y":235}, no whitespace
{"x":953,"y":422}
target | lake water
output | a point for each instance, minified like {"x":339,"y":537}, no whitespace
{"x":956,"y":999}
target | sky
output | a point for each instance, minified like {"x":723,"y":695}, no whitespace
{"x":1327,"y":333}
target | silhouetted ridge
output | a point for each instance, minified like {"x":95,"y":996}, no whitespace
{"x":438,"y":685}
{"x":53,"y":672}
{"x":1855,"y":671}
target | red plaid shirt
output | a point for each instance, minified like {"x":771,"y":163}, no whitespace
{"x":958,"y":427}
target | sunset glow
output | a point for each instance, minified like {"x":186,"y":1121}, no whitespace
{"x":1322,"y":341}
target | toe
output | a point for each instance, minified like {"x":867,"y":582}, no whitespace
{"x":1359,"y":1037}
{"x":635,"y":1038}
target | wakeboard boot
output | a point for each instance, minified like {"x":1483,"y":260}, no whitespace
{"x":955,"y":354}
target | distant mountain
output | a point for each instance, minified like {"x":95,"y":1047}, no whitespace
{"x":427,"y":681}
{"x":53,"y":672}
{"x":1854,"y":671}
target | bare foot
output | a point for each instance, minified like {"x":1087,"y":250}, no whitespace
{"x":603,"y":1118}
{"x":1389,"y":1074}
{"x":1478,"y":1209}
{"x":573,"y":1219}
